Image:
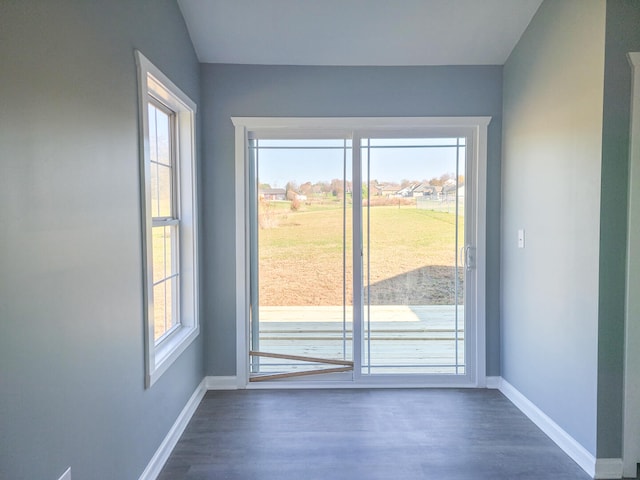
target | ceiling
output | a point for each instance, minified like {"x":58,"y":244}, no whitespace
{"x":356,"y":32}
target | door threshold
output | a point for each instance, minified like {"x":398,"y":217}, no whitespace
{"x":377,"y":383}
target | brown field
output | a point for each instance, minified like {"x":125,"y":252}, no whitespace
{"x":411,"y":254}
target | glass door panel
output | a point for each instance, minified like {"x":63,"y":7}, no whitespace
{"x":351,"y":287}
{"x":301,"y":288}
{"x":413,"y":241}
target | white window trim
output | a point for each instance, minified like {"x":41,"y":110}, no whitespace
{"x":324,"y":127}
{"x":159,"y":357}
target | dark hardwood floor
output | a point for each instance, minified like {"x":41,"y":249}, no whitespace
{"x":399,"y":434}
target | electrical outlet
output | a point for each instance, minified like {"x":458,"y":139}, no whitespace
{"x":66,"y":475}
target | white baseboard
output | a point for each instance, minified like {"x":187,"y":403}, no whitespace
{"x":603,"y":468}
{"x":608,"y":468}
{"x":566,"y":442}
{"x":166,"y":447}
{"x":494,"y":383}
{"x":221,"y":383}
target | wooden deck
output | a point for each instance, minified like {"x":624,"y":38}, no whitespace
{"x":398,"y":339}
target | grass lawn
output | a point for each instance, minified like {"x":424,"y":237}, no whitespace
{"x":411,"y":253}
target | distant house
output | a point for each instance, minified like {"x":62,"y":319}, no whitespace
{"x":375,"y":190}
{"x":450,"y":182}
{"x":424,"y":190}
{"x":389,"y":189}
{"x":451,"y":191}
{"x":408,"y":190}
{"x":273,"y":194}
{"x":431,"y":192}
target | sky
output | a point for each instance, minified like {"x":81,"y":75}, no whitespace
{"x":390,"y":160}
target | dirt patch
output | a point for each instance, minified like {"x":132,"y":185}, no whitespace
{"x":291,"y":284}
{"x":430,"y":285}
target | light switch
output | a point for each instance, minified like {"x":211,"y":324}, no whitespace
{"x":521,"y":238}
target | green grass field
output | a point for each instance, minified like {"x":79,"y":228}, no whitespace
{"x":411,"y":253}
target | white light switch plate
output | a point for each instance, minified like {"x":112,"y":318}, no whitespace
{"x":521,"y":238}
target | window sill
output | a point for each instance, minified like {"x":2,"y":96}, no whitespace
{"x":168,"y":351}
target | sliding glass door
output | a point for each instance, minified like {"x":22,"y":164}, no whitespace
{"x":302,"y":289}
{"x":413,"y":218}
{"x":361,"y":261}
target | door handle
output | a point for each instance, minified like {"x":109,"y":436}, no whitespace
{"x":469,"y":257}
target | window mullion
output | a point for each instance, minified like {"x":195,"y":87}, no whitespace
{"x":356,"y":196}
{"x":164,"y":221}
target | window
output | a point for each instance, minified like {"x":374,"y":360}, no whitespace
{"x":168,"y":187}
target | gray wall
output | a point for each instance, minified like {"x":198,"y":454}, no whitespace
{"x":328,"y":91}
{"x":622,"y":36}
{"x":553,"y":83}
{"x":71,"y":327}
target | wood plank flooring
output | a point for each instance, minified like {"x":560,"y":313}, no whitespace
{"x":353,"y":434}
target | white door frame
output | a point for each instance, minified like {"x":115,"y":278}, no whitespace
{"x":244,"y":126}
{"x":631,"y":423}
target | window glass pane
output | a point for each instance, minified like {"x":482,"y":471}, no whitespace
{"x":302,"y":288}
{"x":413,"y":228}
{"x":170,"y":235}
{"x":159,"y":310}
{"x":153,"y":147}
{"x":410,"y":171}
{"x":164,"y":191}
{"x":164,"y":237}
{"x":410,"y":142}
{"x":299,"y":171}
{"x":155,"y":208}
{"x":163,"y":134}
{"x":159,"y":254}
{"x":303,"y":143}
{"x":171,"y":291}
